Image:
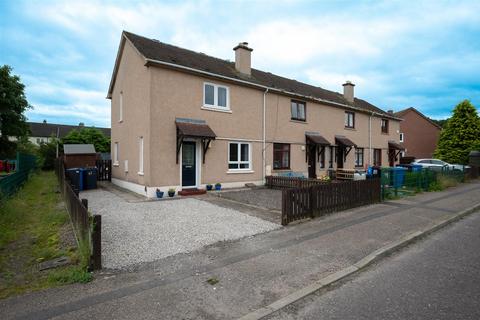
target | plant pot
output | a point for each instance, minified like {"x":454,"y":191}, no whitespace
{"x":171,"y":194}
{"x":209,"y":187}
{"x":218,"y":187}
{"x":159,"y":194}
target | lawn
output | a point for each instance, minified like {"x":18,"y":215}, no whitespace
{"x":35,"y":227}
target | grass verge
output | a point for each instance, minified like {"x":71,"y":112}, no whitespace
{"x":35,"y":227}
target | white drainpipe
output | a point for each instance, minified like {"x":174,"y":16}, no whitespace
{"x":264,"y":136}
{"x":370,"y":139}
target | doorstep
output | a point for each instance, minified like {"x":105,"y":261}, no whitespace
{"x":192,"y":192}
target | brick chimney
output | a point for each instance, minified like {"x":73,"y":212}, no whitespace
{"x":348,"y":92}
{"x":243,"y":58}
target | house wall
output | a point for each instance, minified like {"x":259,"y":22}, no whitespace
{"x":420,"y":136}
{"x":154,"y":97}
{"x":133,"y":80}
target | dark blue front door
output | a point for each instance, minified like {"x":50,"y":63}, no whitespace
{"x":188,"y":164}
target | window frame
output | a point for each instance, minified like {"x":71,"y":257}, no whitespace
{"x":115,"y":154}
{"x":402,"y":137}
{"x":321,"y":163}
{"x":377,"y":163}
{"x":289,"y":156}
{"x":297,"y":103}
{"x":140,"y":156}
{"x":239,"y":156}
{"x":384,"y":129}
{"x":359,"y":151}
{"x":120,"y":109}
{"x":347,"y":123}
{"x":215,"y":105}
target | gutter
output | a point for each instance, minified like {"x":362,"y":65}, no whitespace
{"x":262,"y":87}
{"x":370,"y":139}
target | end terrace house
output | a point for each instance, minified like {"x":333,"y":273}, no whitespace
{"x":182,"y":119}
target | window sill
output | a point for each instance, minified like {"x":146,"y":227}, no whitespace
{"x":384,"y":133}
{"x":298,"y":121}
{"x":350,"y":128}
{"x":239,"y":171}
{"x":116,"y":164}
{"x":140,"y":173}
{"x":281,"y":170}
{"x":217,"y":109}
{"x":120,"y":121}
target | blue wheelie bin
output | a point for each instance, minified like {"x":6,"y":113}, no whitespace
{"x":76,"y":178}
{"x":89,"y":178}
{"x":398,"y":176}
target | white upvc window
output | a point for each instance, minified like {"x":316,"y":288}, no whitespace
{"x":216,"y":96}
{"x":140,"y":156}
{"x":239,"y":156}
{"x":120,"y":108}
{"x":402,"y":137}
{"x":115,"y":154}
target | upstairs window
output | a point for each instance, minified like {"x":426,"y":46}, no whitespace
{"x":239,"y":156}
{"x":298,"y":110}
{"x":349,"y":119}
{"x":281,"y":156}
{"x":115,"y":154}
{"x":120,"y":111}
{"x":384,"y":126}
{"x":401,"y":137}
{"x":215,"y":96}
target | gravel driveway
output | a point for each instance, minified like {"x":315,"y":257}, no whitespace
{"x":139,"y":232}
{"x":262,"y":197}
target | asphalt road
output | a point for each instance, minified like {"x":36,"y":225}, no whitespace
{"x":436,"y":278}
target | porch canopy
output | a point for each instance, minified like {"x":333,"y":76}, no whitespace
{"x":345,"y":143}
{"x":194,"y":128}
{"x":315,"y":139}
{"x":395,"y":146}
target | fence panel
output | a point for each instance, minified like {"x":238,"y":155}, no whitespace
{"x":317,"y":200}
{"x":81,"y":219}
{"x":279,"y":182}
{"x":25,"y":164}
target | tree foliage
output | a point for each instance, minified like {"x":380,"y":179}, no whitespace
{"x":48,"y":153}
{"x":89,"y":136}
{"x":13,"y":105}
{"x":460,"y":135}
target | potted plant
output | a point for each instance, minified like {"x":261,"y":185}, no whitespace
{"x":159,"y":193}
{"x":171,"y":192}
{"x":209,"y":187}
{"x":218,"y":186}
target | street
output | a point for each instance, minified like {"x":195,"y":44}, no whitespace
{"x":437,"y":278}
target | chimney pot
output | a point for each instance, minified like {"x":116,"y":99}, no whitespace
{"x":81,"y":124}
{"x":348,"y":91}
{"x":243,"y":58}
{"x":44,"y":121}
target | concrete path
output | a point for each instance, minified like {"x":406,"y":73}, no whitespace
{"x":438,"y":278}
{"x":251,"y":272}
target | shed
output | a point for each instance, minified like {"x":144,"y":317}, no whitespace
{"x":79,"y":155}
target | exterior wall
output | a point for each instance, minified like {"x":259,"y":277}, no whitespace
{"x":154,"y":97}
{"x":133,"y":80}
{"x":420,"y":136}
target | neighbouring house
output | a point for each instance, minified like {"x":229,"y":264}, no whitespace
{"x":183,"y":119}
{"x":418,"y":134}
{"x":42,"y":132}
{"x":79,"y":155}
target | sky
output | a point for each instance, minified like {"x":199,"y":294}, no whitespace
{"x":422,"y":54}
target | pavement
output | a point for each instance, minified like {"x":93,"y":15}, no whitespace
{"x":438,"y":278}
{"x":248,"y":274}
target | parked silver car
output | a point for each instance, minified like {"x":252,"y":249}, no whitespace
{"x":436,"y":164}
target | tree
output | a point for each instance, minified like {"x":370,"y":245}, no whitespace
{"x":442,"y":123}
{"x":460,"y":135}
{"x":48,"y":153}
{"x":13,"y":105}
{"x":90,"y":136}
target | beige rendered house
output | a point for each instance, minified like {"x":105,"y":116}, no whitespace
{"x":182,"y":119}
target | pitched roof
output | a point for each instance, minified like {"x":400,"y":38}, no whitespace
{"x":78,"y":148}
{"x":402,"y":113}
{"x":154,"y":50}
{"x":42,"y":129}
